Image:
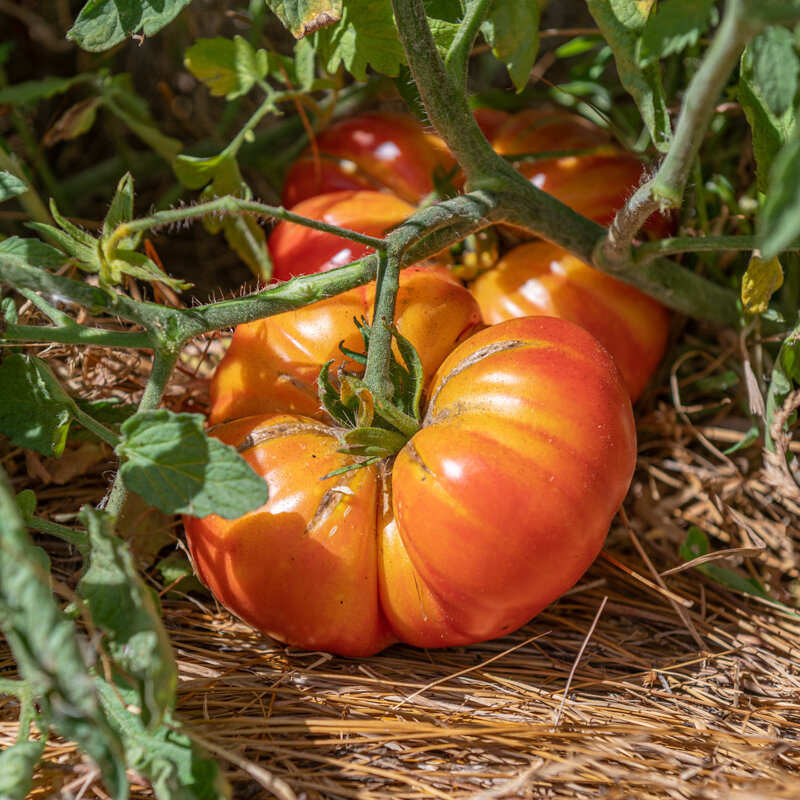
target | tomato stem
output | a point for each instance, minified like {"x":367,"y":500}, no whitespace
{"x":379,"y":353}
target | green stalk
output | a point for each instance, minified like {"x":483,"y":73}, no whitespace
{"x":377,"y":373}
{"x":77,"y":538}
{"x":457,"y":59}
{"x":691,"y":244}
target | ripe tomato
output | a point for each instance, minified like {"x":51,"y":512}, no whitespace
{"x":489,"y":513}
{"x":595,"y":184}
{"x":298,"y":250}
{"x":542,"y":278}
{"x":378,"y":150}
{"x":272,"y":364}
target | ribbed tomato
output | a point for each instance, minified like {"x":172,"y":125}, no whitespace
{"x":272,"y":364}
{"x":490,"y":512}
{"x":376,"y":151}
{"x":298,"y":250}
{"x":542,"y":278}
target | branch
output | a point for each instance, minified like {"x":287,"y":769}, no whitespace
{"x":457,"y":58}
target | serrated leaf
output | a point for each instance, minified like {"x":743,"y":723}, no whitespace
{"x":177,"y":768}
{"x":17,"y":764}
{"x":228,"y":67}
{"x":32,"y":251}
{"x":622,"y":23}
{"x":11,"y":186}
{"x":171,"y":463}
{"x":247,"y":239}
{"x":47,"y":650}
{"x":770,"y":132}
{"x":779,"y":220}
{"x":675,"y":26}
{"x":366,"y":35}
{"x":126,"y":611}
{"x":35,"y":411}
{"x":102,"y":24}
{"x":511,"y":28}
{"x":775,"y":68}
{"x":301,"y":17}
{"x":760,"y":281}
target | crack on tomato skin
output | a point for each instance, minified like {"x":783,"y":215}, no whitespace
{"x":255,"y":438}
{"x":329,"y":502}
{"x":469,"y":361}
{"x":415,"y":457}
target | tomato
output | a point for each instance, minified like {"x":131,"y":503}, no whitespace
{"x":493,"y":509}
{"x":377,"y":151}
{"x":298,"y":250}
{"x":595,"y":184}
{"x":542,"y":278}
{"x":272,"y":364}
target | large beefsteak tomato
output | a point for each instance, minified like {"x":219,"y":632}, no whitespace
{"x":493,"y":509}
{"x":542,"y":278}
{"x":272,"y":364}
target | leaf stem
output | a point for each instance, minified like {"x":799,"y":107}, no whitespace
{"x":97,"y":428}
{"x":691,"y":244}
{"x":377,"y":372}
{"x":78,"y":538}
{"x":77,"y":334}
{"x":457,"y":57}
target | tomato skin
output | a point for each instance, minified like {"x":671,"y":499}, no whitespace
{"x":595,"y":184}
{"x":305,"y":577}
{"x":492,"y":510}
{"x":298,"y":250}
{"x":272,"y":364}
{"x":378,"y":151}
{"x":541,"y":278}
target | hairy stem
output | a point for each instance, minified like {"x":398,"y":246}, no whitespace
{"x":649,"y":251}
{"x":457,"y":57}
{"x":377,"y":373}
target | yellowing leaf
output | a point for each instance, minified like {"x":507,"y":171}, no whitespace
{"x":761,"y":280}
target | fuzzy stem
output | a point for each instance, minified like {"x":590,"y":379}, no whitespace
{"x":457,"y":58}
{"x":233,"y":205}
{"x":78,"y":538}
{"x":377,"y":373}
{"x":77,"y":334}
{"x":649,"y":251}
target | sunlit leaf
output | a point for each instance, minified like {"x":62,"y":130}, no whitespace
{"x":301,"y":17}
{"x":228,"y":67}
{"x":675,"y":26}
{"x":761,"y":280}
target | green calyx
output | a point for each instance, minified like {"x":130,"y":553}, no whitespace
{"x":375,"y":427}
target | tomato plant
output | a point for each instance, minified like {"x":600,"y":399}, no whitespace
{"x":542,"y":278}
{"x":272,"y":364}
{"x":494,"y":508}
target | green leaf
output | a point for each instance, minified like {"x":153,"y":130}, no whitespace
{"x":305,"y":64}
{"x":11,"y":186}
{"x":47,"y":650}
{"x":779,"y":220}
{"x":770,"y":132}
{"x":16,"y":769}
{"x":301,"y":17}
{"x":622,"y":23}
{"x":31,"y":92}
{"x":775,"y":68}
{"x":32,"y":251}
{"x":169,"y":461}
{"x":35,"y":411}
{"x":177,"y":768}
{"x":696,"y":545}
{"x":228,"y":67}
{"x":8,"y":311}
{"x":102,"y":24}
{"x":675,"y":26}
{"x":177,"y":572}
{"x":26,"y":503}
{"x":195,"y":173}
{"x":127,"y":613}
{"x":365,"y":36}
{"x":511,"y":28}
{"x":120,"y":211}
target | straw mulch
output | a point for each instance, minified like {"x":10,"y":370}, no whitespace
{"x":637,"y":684}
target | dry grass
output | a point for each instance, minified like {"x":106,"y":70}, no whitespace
{"x":648,"y":680}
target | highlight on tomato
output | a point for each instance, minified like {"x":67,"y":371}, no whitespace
{"x":377,"y":151}
{"x":491,"y":510}
{"x":272,"y":364}
{"x":541,"y":278}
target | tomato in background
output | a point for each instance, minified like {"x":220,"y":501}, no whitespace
{"x":489,"y":513}
{"x":298,"y":250}
{"x":379,"y":150}
{"x":541,"y":278}
{"x":272,"y":364}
